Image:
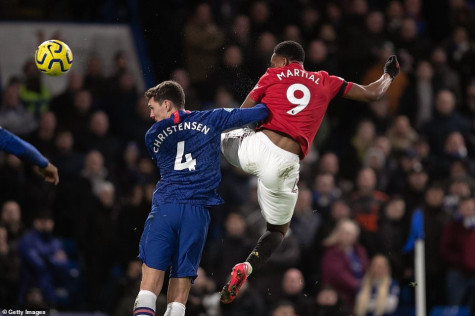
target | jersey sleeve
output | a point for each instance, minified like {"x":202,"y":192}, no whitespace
{"x":228,"y":118}
{"x":337,"y":86}
{"x":257,"y":93}
{"x":14,"y":145}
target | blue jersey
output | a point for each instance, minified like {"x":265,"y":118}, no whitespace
{"x":186,"y":149}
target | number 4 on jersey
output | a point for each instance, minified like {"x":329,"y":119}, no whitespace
{"x":190,"y":163}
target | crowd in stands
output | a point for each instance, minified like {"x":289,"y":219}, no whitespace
{"x":374,"y":173}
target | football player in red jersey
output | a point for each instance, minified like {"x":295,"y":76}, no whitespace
{"x":297,"y":100}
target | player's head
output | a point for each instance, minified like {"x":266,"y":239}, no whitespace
{"x":164,"y":99}
{"x":287,"y":52}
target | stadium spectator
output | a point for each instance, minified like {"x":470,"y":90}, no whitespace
{"x":203,"y":299}
{"x":259,"y":57}
{"x":43,"y":259}
{"x":430,"y":219}
{"x":328,"y":303}
{"x":366,"y":204}
{"x":182,"y":76}
{"x":319,"y":59}
{"x":418,"y":98}
{"x":94,"y":79}
{"x":121,"y":102}
{"x":240,"y":34}
{"x":376,"y":160}
{"x":324,"y":193}
{"x":283,"y":308}
{"x":43,"y":138}
{"x":461,"y":53}
{"x":126,"y":288}
{"x":445,"y":120}
{"x":13,"y":115}
{"x":306,"y":220}
{"x":293,"y":284}
{"x":78,"y":119}
{"x":344,"y":261}
{"x":458,"y":189}
{"x":99,"y":138}
{"x":33,"y":93}
{"x":380,"y":115}
{"x":393,"y":229}
{"x":248,"y":302}
{"x":401,"y":135}
{"x":9,"y":268}
{"x":202,"y":42}
{"x":361,"y":141}
{"x":229,"y":71}
{"x":445,"y":77}
{"x":394,"y":17}
{"x":98,"y":227}
{"x":379,"y":293}
{"x":458,"y":251}
{"x":14,"y":178}
{"x":63,"y":103}
{"x":10,"y":219}
{"x":232,"y":247}
{"x":454,"y":149}
{"x":406,"y":161}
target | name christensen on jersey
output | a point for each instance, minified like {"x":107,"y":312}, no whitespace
{"x":194,"y":126}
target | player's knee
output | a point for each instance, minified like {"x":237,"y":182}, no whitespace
{"x":282,"y":229}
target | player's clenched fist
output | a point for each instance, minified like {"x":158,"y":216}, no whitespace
{"x":392,"y":66}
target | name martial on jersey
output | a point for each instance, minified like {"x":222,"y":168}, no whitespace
{"x":185,"y":126}
{"x":298,"y":73}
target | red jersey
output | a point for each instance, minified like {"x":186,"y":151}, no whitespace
{"x":297,"y":100}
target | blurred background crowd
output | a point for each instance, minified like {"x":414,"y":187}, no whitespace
{"x":372,"y":169}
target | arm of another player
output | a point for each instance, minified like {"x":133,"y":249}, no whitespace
{"x":375,"y":90}
{"x":14,"y":145}
{"x":248,"y":103}
{"x":229,"y":118}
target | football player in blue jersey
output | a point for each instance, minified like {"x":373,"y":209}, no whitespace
{"x":14,"y":145}
{"x":186,"y":148}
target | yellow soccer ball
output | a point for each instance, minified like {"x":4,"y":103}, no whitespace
{"x":53,"y":58}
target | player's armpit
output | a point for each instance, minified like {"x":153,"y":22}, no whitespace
{"x":248,"y":103}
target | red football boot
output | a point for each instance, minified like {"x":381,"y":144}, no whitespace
{"x":238,"y":277}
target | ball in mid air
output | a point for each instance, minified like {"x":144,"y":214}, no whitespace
{"x":53,"y":58}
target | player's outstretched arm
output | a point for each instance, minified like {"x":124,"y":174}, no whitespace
{"x":375,"y":90}
{"x":15,"y":145}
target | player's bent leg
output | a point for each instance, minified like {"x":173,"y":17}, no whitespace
{"x":177,"y":295}
{"x":150,"y":287}
{"x":266,"y":245}
{"x":232,"y":144}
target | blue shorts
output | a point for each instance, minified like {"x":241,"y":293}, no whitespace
{"x":174,"y":237}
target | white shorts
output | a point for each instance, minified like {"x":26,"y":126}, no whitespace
{"x":276,"y":169}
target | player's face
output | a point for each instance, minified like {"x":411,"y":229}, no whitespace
{"x":277,"y":61}
{"x":158,"y":111}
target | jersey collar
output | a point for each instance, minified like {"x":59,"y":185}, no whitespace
{"x":176,"y":116}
